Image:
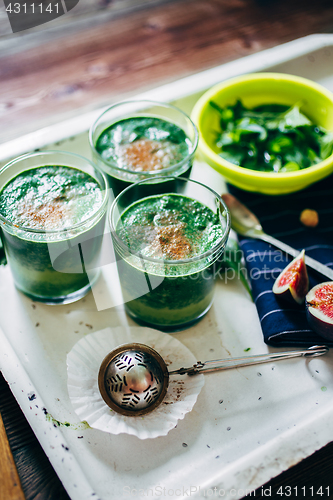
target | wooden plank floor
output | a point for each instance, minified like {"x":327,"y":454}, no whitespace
{"x":67,"y":68}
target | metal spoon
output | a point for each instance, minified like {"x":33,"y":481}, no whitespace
{"x":244,"y":222}
{"x":133,"y":379}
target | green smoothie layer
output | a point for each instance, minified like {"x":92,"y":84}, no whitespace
{"x":143,"y":144}
{"x":51,"y":265}
{"x":50,"y":198}
{"x":172,"y":227}
{"x":167,"y":292}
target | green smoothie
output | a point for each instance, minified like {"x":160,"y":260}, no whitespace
{"x":48,"y":236}
{"x":50,"y":198}
{"x":174,"y":245}
{"x":133,"y":148}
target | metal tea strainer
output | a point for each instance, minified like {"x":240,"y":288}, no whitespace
{"x":133,"y":378}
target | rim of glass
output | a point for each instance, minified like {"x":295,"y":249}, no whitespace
{"x":168,"y":261}
{"x":49,"y":153}
{"x":149,"y":173}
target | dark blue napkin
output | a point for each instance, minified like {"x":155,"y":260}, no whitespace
{"x":285,"y":324}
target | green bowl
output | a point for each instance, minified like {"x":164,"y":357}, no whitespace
{"x":254,"y":90}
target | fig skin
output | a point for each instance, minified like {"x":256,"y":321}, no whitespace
{"x":292,"y":284}
{"x":319,"y":309}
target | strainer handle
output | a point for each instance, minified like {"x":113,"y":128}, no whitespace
{"x":225,"y":364}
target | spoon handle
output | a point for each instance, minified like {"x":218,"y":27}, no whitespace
{"x":314,"y":264}
{"x":225,"y":364}
{"x":244,"y":222}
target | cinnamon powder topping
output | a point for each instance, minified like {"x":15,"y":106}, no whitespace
{"x":46,"y":215}
{"x":144,"y":155}
{"x":172,"y":242}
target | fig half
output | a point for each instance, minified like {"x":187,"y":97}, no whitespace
{"x":292,"y":283}
{"x":319,"y":309}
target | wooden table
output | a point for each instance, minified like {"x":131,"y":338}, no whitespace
{"x":104,"y":52}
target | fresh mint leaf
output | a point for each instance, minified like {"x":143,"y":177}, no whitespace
{"x":233,"y":259}
{"x":326,"y":145}
{"x":3,"y":260}
{"x":271,"y":137}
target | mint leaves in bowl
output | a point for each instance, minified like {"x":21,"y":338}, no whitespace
{"x":267,"y":132}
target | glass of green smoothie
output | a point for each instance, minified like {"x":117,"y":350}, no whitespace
{"x":138,"y":140}
{"x":52,"y":217}
{"x":168,"y":247}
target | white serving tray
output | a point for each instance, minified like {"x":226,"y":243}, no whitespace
{"x":248,"y":424}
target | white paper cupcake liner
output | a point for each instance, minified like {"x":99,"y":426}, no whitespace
{"x":83,"y":363}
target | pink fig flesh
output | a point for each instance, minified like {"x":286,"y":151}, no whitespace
{"x":292,"y":283}
{"x":319,"y":309}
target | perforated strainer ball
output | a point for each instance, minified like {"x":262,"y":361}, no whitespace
{"x":133,"y":379}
